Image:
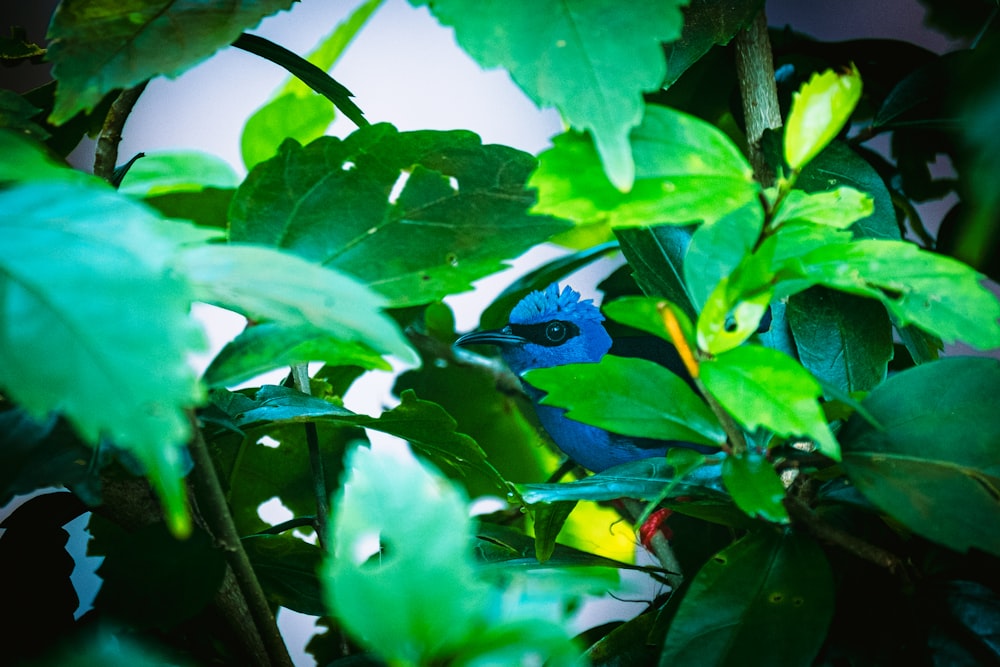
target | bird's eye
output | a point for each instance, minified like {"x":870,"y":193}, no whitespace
{"x":555,"y":332}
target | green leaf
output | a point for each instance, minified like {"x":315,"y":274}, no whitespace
{"x":755,"y":486}
{"x":177,"y":171}
{"x":937,"y":293}
{"x":591,"y":59}
{"x":842,"y":339}
{"x":17,"y":114}
{"x":149,"y":563}
{"x":934,"y":464}
{"x":460,"y":214}
{"x":838,"y":166}
{"x":428,"y":428}
{"x":629,"y":396}
{"x":686,"y":171}
{"x":295,"y":110}
{"x":644,"y":479}
{"x":401,"y":537}
{"x":287,"y":570}
{"x":839,"y":208}
{"x":717,"y":248}
{"x":99,"y":45}
{"x":656,"y":257}
{"x":706,"y":24}
{"x":265,"y":347}
{"x":769,"y":596}
{"x":819,"y":111}
{"x":730,"y":317}
{"x":90,"y":306}
{"x":763,"y":387}
{"x":25,"y":160}
{"x":268,"y":284}
{"x":549,"y":519}
{"x":646,"y":314}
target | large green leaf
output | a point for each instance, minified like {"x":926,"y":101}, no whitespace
{"x":265,"y":347}
{"x":99,"y":45}
{"x":591,"y":59}
{"x":934,"y":465}
{"x":937,"y":293}
{"x":25,"y":160}
{"x":763,"y":387}
{"x":719,"y":247}
{"x":402,"y":536}
{"x":265,"y":283}
{"x":629,"y":396}
{"x":342,"y":203}
{"x":656,"y":257}
{"x":95,"y":325}
{"x":842,"y":339}
{"x":295,"y":110}
{"x":769,"y":596}
{"x":686,"y":171}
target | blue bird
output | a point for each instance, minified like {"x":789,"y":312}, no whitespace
{"x":551,"y":328}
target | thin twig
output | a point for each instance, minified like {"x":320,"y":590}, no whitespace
{"x":106,"y":154}
{"x":212,"y":501}
{"x":758,"y":90}
{"x":300,"y":375}
{"x":803,"y":514}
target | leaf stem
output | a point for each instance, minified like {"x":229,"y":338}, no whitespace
{"x":300,"y":375}
{"x":220,"y":521}
{"x":660,"y":546}
{"x":106,"y":153}
{"x":758,"y":91}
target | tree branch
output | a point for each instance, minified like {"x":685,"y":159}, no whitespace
{"x":755,"y":70}
{"x":216,"y":512}
{"x":106,"y":154}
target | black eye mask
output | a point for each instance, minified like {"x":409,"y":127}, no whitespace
{"x":549,"y":334}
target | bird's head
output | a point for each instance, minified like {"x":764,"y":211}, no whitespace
{"x":548,"y":328}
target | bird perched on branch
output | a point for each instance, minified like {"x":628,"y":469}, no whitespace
{"x":551,"y":328}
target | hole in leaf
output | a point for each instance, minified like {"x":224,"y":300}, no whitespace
{"x":397,"y":187}
{"x":798,"y":602}
{"x":453,"y":182}
{"x":776,"y":598}
{"x":268,"y":441}
{"x":348,"y":165}
{"x":451,"y":259}
{"x":721,"y":560}
{"x":365,"y":548}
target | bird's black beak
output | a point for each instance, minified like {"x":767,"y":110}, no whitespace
{"x":501,"y":337}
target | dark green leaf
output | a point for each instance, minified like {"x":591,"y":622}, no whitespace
{"x":265,"y":347}
{"x":755,"y":486}
{"x":294,"y":110}
{"x":628,"y":644}
{"x":146,"y":564}
{"x":26,"y":160}
{"x":644,"y":479}
{"x":646,"y":314}
{"x":92,"y":305}
{"x":656,"y":256}
{"x":309,"y":74}
{"x":17,"y":114}
{"x":937,"y":293}
{"x":39,"y":454}
{"x":265,"y":283}
{"x":706,"y":23}
{"x":921,"y":99}
{"x":460,"y":214}
{"x":629,"y":396}
{"x":569,"y":56}
{"x":99,"y":45}
{"x":686,"y":171}
{"x":839,"y":166}
{"x":763,"y":387}
{"x":287,"y":570}
{"x":934,"y":465}
{"x":842,"y":339}
{"x":208,"y":207}
{"x":769,"y":596}
{"x":548,"y":521}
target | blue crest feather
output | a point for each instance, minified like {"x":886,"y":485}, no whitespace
{"x":550,"y":303}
